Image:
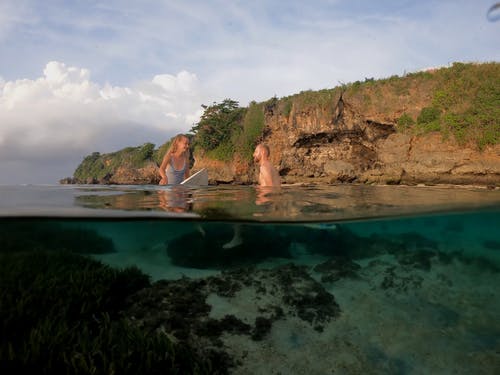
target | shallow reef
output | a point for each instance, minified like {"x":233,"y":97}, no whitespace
{"x":288,"y":299}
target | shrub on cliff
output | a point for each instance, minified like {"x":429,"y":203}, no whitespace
{"x":428,"y":119}
{"x":253,"y":125}
{"x":462,"y":101}
{"x":405,"y":122}
{"x":469,"y":100}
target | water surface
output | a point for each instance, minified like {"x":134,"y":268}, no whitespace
{"x":327,"y":279}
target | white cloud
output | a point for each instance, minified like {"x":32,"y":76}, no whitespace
{"x":63,"y":115}
{"x":184,"y":81}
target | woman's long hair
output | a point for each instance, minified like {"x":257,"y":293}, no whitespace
{"x":175,"y":144}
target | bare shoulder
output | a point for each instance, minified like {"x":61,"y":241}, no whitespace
{"x":269,"y":175}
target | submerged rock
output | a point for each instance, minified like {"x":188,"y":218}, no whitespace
{"x":418,"y":259}
{"x":336,"y":268}
{"x":40,"y":235}
{"x":200,"y":313}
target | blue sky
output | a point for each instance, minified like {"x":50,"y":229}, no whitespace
{"x":84,"y":76}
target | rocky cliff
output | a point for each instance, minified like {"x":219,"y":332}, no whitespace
{"x":312,"y":147}
{"x":349,"y":145}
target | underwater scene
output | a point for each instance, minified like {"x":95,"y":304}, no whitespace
{"x":340,"y":279}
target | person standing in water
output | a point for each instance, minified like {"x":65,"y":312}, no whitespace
{"x":173,"y":170}
{"x":268,"y":175}
{"x":175,"y":165}
{"x":268,"y":180}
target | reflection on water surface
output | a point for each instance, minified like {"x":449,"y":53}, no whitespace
{"x":242,"y":203}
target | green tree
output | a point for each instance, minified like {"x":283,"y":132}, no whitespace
{"x":143,"y":153}
{"x":217,"y":124}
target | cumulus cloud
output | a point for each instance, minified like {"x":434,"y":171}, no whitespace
{"x":63,"y":116}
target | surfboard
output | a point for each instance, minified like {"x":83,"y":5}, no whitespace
{"x":200,"y":178}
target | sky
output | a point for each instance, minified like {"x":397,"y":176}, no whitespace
{"x":79,"y":76}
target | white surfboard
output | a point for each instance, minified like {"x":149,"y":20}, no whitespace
{"x":200,"y":178}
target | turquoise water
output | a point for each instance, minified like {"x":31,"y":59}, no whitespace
{"x":339,"y":279}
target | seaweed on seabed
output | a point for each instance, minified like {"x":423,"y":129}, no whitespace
{"x":62,"y":313}
{"x":31,"y":235}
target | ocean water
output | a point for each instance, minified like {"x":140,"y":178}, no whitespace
{"x":342,"y":279}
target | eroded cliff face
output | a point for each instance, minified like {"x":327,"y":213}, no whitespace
{"x":350,"y":146}
{"x":346,"y":144}
{"x":236,"y":171}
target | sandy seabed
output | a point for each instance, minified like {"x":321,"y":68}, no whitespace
{"x":387,"y":315}
{"x":418,"y":322}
